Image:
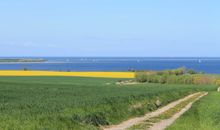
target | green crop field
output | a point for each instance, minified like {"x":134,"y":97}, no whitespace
{"x":204,"y":115}
{"x":55,"y":103}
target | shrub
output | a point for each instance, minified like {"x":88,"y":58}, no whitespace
{"x":203,"y":79}
{"x":217,"y":82}
{"x":141,"y":77}
{"x":177,"y":76}
{"x":145,"y":76}
{"x":179,"y":71}
{"x":190,"y":71}
{"x":163,"y":79}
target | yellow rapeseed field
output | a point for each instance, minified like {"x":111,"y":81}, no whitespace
{"x":78,"y":74}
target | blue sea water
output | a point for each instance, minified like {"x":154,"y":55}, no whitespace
{"x":207,"y":65}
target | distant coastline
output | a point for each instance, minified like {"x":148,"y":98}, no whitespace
{"x":22,"y":60}
{"x":208,"y":65}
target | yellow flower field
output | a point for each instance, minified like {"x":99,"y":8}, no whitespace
{"x":78,"y":74}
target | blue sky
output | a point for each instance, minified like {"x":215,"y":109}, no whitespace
{"x":110,"y":28}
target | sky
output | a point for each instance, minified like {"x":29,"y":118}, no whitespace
{"x":131,"y":28}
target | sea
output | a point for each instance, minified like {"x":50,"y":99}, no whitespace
{"x":210,"y":65}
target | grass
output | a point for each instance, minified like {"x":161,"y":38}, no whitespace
{"x":204,"y":115}
{"x":55,"y":103}
{"x":78,"y":74}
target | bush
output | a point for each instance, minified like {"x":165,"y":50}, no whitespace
{"x":177,"y":76}
{"x":141,"y":77}
{"x":190,"y":71}
{"x":179,"y":71}
{"x":217,"y":82}
{"x":146,"y":76}
{"x":203,"y":79}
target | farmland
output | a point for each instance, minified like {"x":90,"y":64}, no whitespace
{"x":78,"y":74}
{"x":80,"y":103}
{"x":204,"y":115}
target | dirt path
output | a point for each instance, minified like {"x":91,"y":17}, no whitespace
{"x":134,"y":121}
{"x":165,"y":123}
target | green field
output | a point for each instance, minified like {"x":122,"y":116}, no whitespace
{"x":204,"y":115}
{"x":55,"y":103}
